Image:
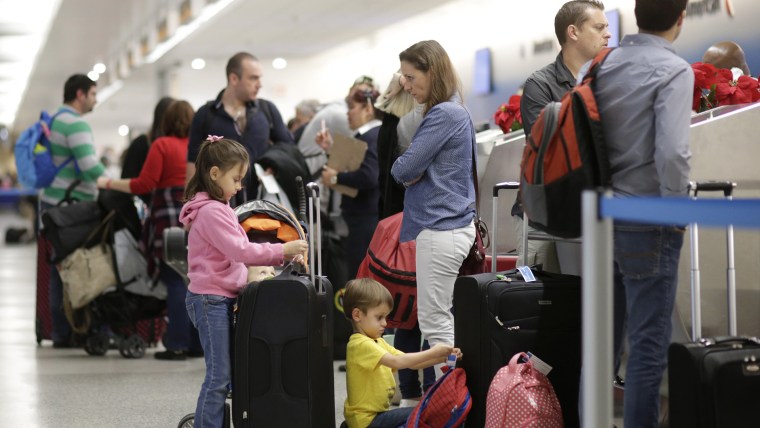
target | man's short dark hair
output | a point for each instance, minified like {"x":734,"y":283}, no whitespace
{"x":74,"y":84}
{"x":573,"y":13}
{"x":235,"y":64}
{"x":658,"y":15}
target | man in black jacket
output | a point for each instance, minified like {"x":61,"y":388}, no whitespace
{"x":239,"y":114}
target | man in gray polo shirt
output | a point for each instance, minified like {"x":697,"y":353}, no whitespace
{"x":582,"y":30}
{"x":644,"y":93}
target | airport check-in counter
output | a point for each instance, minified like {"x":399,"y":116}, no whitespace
{"x":725,"y":145}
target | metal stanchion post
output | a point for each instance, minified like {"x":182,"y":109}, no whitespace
{"x":598,"y":315}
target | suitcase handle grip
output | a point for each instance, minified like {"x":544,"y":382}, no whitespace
{"x":504,"y":185}
{"x":724,"y":340}
{"x":315,"y":236}
{"x":727,"y":187}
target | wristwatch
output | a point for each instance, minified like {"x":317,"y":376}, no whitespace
{"x":334,"y":180}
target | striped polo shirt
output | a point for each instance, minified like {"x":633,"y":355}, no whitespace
{"x":71,"y":135}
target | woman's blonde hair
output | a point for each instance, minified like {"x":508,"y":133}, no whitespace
{"x":224,"y":154}
{"x":429,"y":56}
{"x":395,"y":100}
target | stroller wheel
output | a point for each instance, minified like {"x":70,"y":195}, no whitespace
{"x":132,"y":347}
{"x":187,"y":422}
{"x":97,"y":344}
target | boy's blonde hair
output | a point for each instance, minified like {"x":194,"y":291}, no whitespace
{"x":365,"y":294}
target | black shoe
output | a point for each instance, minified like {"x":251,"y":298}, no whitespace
{"x":198,"y":353}
{"x":342,"y":368}
{"x":170,"y":355}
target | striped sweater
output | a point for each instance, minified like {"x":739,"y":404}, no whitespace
{"x":70,"y":134}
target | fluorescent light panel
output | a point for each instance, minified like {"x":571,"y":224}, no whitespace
{"x":184,"y":31}
{"x":23,"y":50}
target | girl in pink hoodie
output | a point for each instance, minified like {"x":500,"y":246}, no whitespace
{"x":218,"y":253}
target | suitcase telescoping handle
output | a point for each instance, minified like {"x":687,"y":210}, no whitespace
{"x":315,"y":234}
{"x":494,"y":219}
{"x":727,"y":187}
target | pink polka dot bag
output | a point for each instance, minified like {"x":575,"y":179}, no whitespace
{"x":522,"y":397}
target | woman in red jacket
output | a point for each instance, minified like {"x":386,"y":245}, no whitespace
{"x":163,"y":176}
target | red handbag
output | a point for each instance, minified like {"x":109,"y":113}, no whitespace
{"x":475,"y":262}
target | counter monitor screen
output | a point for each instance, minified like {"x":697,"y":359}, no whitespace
{"x":482,"y":84}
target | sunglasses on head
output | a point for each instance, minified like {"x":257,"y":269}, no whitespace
{"x":364,"y":80}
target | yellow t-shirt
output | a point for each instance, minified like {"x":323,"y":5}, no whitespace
{"x":370,"y":385}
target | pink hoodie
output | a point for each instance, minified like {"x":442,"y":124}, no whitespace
{"x":218,"y":249}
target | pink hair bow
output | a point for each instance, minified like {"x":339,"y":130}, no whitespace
{"x":214,"y":138}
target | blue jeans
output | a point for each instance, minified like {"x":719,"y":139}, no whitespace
{"x":61,"y":331}
{"x":180,"y":333}
{"x":392,"y":418}
{"x":212,"y":316}
{"x":409,"y":380}
{"x":646,"y":269}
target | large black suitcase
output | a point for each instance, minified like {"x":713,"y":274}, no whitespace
{"x":283,"y":346}
{"x":714,"y":382}
{"x":496,"y":318}
{"x":499,"y":315}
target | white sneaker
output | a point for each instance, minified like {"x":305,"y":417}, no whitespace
{"x":409,"y":402}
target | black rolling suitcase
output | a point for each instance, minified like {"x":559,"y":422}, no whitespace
{"x":283,"y":346}
{"x":714,"y":382}
{"x":497,"y":315}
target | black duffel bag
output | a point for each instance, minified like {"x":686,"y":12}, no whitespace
{"x":67,"y":225}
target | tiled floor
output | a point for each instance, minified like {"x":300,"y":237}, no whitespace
{"x":42,"y":387}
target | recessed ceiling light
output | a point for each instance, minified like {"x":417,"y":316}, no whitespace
{"x":99,"y":68}
{"x":198,"y":64}
{"x":93,"y":75}
{"x":124,"y":130}
{"x":279,"y":63}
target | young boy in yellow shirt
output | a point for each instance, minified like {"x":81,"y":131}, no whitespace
{"x":370,"y":360}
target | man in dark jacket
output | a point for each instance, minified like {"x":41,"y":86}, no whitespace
{"x":239,"y":114}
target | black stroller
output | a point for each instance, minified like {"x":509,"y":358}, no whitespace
{"x":129,"y":314}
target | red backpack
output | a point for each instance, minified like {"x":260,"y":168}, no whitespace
{"x":392,"y":263}
{"x":445,"y":405}
{"x":564,"y":155}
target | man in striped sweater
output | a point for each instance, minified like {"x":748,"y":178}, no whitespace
{"x":71,"y":136}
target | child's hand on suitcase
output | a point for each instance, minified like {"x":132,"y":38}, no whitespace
{"x":294,"y":248}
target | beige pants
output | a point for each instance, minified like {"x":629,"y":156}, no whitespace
{"x":539,"y":252}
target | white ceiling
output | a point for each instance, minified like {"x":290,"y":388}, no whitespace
{"x":85,"y":32}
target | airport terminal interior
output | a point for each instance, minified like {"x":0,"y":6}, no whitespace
{"x":139,"y":51}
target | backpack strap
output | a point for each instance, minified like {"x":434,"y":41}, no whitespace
{"x":267,"y":109}
{"x":596,"y":64}
{"x":48,"y":144}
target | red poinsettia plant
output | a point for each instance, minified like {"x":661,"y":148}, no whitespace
{"x":715,"y":87}
{"x":508,"y":116}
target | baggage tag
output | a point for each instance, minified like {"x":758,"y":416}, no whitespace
{"x":539,"y":364}
{"x":526,"y":273}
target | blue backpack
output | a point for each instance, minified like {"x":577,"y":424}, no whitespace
{"x":34,"y":162}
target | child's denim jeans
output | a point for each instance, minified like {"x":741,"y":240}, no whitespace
{"x":212,"y":316}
